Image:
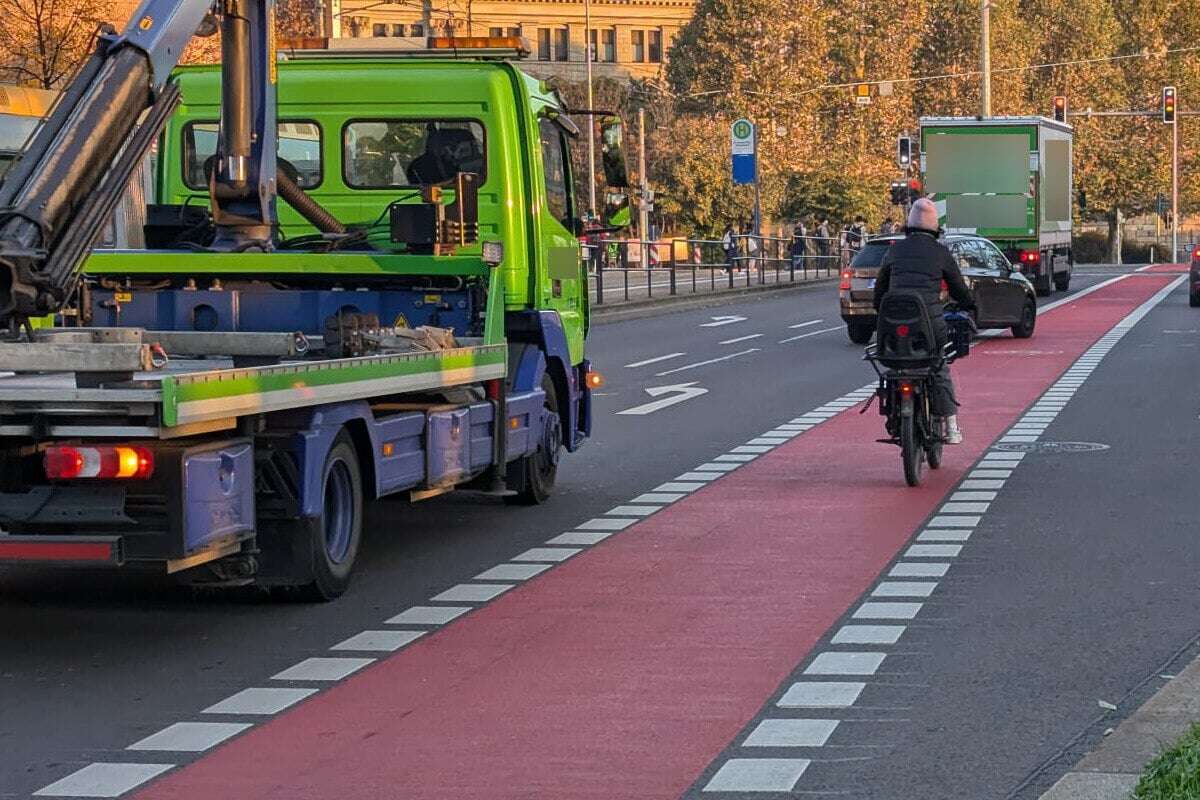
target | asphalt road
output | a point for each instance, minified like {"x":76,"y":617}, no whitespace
{"x":1066,"y":602}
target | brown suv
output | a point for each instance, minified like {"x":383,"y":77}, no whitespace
{"x":1004,"y":298}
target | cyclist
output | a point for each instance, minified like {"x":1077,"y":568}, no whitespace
{"x":920,"y":262}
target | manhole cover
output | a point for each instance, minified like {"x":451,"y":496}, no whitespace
{"x":1051,"y":447}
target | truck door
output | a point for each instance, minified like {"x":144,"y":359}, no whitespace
{"x":562,"y":266}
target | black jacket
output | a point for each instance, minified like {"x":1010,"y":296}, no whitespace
{"x":920,"y":262}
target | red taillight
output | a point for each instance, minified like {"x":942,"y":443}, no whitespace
{"x":845,"y":279}
{"x":902,"y":331}
{"x":1196,"y":251}
{"x":1030,"y":256}
{"x":68,"y":463}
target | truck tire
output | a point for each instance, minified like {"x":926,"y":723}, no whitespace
{"x":335,"y":534}
{"x":860,"y":333}
{"x":1062,"y":280}
{"x":1044,"y":284}
{"x":532,"y":477}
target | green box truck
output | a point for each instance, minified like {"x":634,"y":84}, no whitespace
{"x":1008,"y":179}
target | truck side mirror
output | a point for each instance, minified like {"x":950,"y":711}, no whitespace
{"x":613,"y":153}
{"x":616,"y":209}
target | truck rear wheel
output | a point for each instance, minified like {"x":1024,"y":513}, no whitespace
{"x":1044,"y":284}
{"x":532,"y":477}
{"x":335,"y":534}
{"x":860,"y":332}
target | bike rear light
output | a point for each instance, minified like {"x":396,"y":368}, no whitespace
{"x":65,"y":463}
{"x":902,"y":331}
{"x":845,"y":279}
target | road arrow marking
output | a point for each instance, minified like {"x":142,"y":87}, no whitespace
{"x":719,"y":321}
{"x":677,"y":394}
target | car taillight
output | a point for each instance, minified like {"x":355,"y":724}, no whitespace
{"x":906,"y":388}
{"x":66,"y":463}
{"x":1196,"y":251}
{"x":845,"y":279}
{"x":1030,"y":256}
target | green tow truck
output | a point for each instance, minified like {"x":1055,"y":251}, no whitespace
{"x":220,"y":398}
{"x":1007,"y":179}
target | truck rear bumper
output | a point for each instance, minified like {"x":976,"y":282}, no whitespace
{"x":67,"y":551}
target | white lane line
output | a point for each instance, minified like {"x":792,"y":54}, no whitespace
{"x":378,"y":641}
{"x":578,"y":537}
{"x":821,"y":694}
{"x":904,"y":589}
{"x":945,"y":535}
{"x":633,"y":511}
{"x":845,"y":663}
{"x":322,"y":669}
{"x":810,"y":333}
{"x":963,"y":508}
{"x":769,"y":440}
{"x":1071,"y":298}
{"x":918,"y":569}
{"x":102,"y":779}
{"x":791,"y":733}
{"x":933,"y":551}
{"x":738,"y":354}
{"x":742,"y":339}
{"x":554,"y":554}
{"x":680,"y":486}
{"x":868,"y":634}
{"x":757,"y":775}
{"x":740,"y":458}
{"x":972,"y":496}
{"x":605,"y":524}
{"x":806,"y":324}
{"x":472,"y":593}
{"x":428,"y":615}
{"x":512,"y":572}
{"x":978,"y":484}
{"x":713,"y":466}
{"x":654,"y":360}
{"x":190,"y":737}
{"x":697,"y":476}
{"x":659,"y":497}
{"x":752,"y":448}
{"x":259,"y":700}
{"x":990,"y":473}
{"x":961,"y":521}
{"x":871,"y":610}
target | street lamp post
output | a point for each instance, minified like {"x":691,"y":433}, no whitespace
{"x":587,"y":47}
{"x":985,"y":57}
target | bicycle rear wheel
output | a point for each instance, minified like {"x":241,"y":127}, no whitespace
{"x":911,"y":451}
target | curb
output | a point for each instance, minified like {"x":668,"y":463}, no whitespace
{"x":1111,"y":771}
{"x":638,"y":309}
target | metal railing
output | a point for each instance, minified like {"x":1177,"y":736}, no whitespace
{"x":625,"y":269}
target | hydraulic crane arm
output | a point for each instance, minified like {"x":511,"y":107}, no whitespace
{"x":55,"y":201}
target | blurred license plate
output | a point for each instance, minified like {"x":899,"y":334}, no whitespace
{"x":871,"y":283}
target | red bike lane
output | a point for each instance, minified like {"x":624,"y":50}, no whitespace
{"x":623,"y":672}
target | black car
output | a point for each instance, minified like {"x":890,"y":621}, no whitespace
{"x":1004,"y":298}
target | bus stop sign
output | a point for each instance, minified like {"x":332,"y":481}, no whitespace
{"x":745,"y":151}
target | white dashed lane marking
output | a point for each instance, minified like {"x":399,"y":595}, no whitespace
{"x":428,"y":615}
{"x":472,"y":592}
{"x":918,"y":569}
{"x":322,"y":669}
{"x":103,"y":780}
{"x":873,"y":610}
{"x":821,"y":694}
{"x":758,"y":775}
{"x":791,"y":733}
{"x":190,"y":737}
{"x":868,"y":634}
{"x":378,"y":641}
{"x":259,"y":701}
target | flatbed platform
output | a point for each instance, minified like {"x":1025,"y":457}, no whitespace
{"x":192,"y":393}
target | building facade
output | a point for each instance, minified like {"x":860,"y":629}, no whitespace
{"x":629,"y":38}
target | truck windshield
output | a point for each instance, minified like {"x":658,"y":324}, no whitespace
{"x":299,"y":144}
{"x":382,"y":153}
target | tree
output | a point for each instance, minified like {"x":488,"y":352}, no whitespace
{"x":42,"y":41}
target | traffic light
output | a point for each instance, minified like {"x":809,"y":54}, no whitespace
{"x":1060,"y":108}
{"x":899,"y":193}
{"x":904,"y":152}
{"x":1168,"y":105}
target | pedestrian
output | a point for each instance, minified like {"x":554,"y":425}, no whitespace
{"x":856,"y":235}
{"x":799,"y":235}
{"x":729,"y":245}
{"x":752,"y":246}
{"x":824,"y":242}
{"x":887,"y":228}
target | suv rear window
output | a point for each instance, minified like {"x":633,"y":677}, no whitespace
{"x":871,"y":255}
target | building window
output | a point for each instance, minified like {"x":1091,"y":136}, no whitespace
{"x":514,"y":31}
{"x":608,"y":41}
{"x":562,"y":44}
{"x":398,"y":29}
{"x":593,"y":47}
{"x":359,"y":26}
{"x":656,"y":47}
{"x":495,"y":33}
{"x":379,"y":29}
{"x":639,"y":45}
{"x":543,"y":49}
{"x":417,"y":29}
